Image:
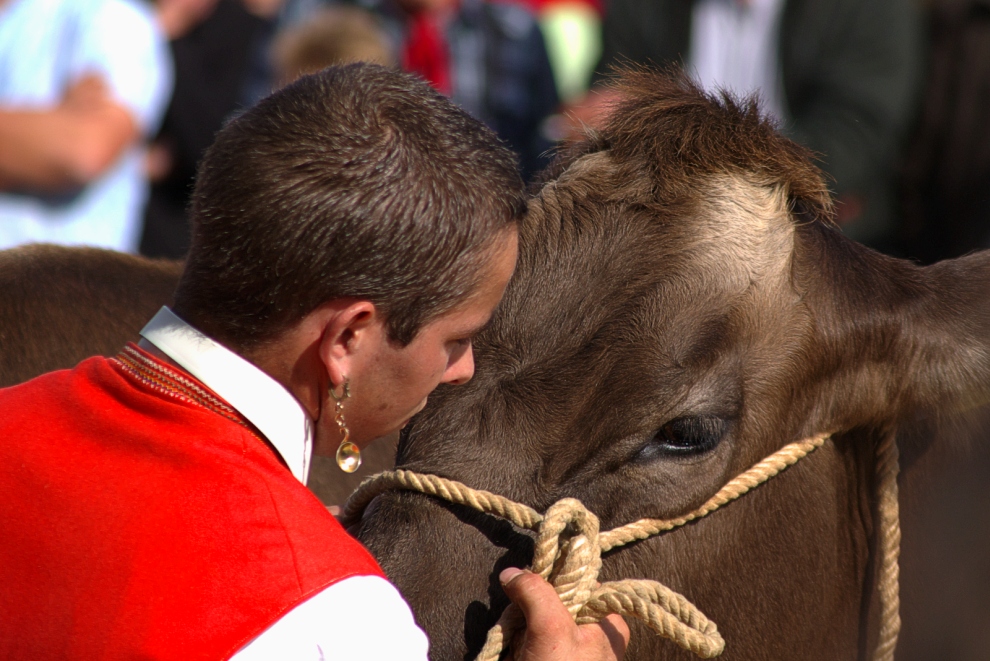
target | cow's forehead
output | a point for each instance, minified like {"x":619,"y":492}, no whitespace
{"x":613,"y":281}
{"x":746,"y":225}
{"x":601,"y":238}
{"x":737,"y":216}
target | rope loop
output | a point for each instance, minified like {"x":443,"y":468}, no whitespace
{"x":567,"y":553}
{"x":569,"y":545}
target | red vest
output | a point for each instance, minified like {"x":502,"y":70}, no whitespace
{"x":139,"y":520}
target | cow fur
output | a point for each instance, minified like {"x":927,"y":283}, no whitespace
{"x":60,"y":305}
{"x":683,"y":265}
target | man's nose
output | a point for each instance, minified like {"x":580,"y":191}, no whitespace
{"x":461,"y":368}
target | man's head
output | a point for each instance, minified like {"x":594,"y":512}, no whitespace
{"x":357,"y":182}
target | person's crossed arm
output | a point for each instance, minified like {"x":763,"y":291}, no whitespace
{"x":66,"y":146}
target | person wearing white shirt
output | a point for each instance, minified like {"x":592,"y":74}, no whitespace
{"x":82,"y":84}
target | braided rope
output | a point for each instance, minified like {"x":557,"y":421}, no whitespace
{"x":449,"y":490}
{"x":890,"y":549}
{"x":738,"y":486}
{"x":569,"y":545}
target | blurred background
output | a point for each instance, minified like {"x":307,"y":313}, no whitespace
{"x":892,"y":95}
{"x":106,"y":107}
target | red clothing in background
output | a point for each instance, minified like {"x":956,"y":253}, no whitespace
{"x":426,"y":51}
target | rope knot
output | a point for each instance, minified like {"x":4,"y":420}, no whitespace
{"x":567,"y":552}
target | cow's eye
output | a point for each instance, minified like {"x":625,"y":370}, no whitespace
{"x":684,"y":436}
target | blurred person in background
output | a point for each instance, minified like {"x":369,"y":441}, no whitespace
{"x":946,"y":188}
{"x":215,"y":44}
{"x":331,"y":35}
{"x":840,"y":76}
{"x":572,"y":31}
{"x":487,"y":57}
{"x":82,"y":83}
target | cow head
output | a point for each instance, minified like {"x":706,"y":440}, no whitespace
{"x":682,"y":308}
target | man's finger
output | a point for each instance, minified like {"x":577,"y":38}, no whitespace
{"x":617,"y":632}
{"x":545,"y":612}
{"x":551,"y":633}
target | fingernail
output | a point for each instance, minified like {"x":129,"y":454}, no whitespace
{"x":508,"y":574}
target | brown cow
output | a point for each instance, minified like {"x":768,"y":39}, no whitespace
{"x":683,"y":307}
{"x":60,"y":305}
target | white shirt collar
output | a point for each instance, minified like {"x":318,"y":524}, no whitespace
{"x":258,"y":397}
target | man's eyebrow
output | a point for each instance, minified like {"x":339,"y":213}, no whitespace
{"x":481,"y":327}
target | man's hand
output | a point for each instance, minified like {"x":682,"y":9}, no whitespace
{"x":551,"y":634}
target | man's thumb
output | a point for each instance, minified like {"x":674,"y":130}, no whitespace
{"x":535,"y":597}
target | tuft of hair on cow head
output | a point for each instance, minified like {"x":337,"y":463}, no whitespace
{"x":682,"y":307}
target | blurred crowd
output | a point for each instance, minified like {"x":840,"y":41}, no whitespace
{"x":106,"y":106}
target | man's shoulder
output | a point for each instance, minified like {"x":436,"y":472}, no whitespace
{"x":40,"y":390}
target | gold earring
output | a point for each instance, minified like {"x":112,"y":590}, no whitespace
{"x":348,"y":454}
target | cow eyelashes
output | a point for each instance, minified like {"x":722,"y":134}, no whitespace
{"x":684,"y":436}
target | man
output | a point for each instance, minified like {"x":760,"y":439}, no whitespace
{"x":82,"y":83}
{"x":351,"y":233}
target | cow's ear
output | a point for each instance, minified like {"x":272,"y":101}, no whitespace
{"x":948,"y":335}
{"x":896,"y":339}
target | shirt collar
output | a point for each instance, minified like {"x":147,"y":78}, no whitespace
{"x":255,"y":395}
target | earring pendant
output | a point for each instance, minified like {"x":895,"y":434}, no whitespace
{"x":348,"y":454}
{"x":348,"y":457}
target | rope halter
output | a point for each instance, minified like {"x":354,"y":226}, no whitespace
{"x":568,"y":549}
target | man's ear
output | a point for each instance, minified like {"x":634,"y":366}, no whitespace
{"x":351,"y":329}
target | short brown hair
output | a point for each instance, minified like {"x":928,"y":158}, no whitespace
{"x":358,"y":181}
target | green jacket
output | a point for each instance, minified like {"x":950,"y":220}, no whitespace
{"x":851,"y":72}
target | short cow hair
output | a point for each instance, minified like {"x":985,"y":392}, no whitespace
{"x":358,"y":181}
